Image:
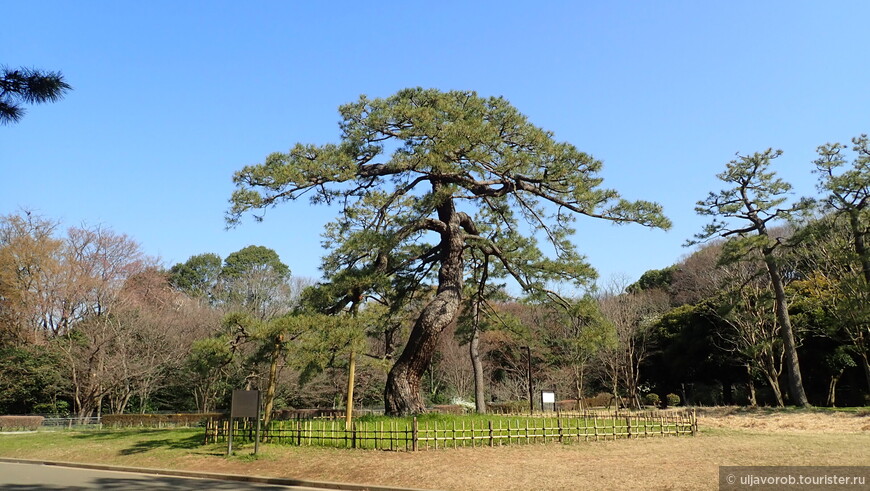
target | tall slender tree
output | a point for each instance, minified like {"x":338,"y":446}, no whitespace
{"x":750,"y":331}
{"x":848,"y":192}
{"x":755,"y":198}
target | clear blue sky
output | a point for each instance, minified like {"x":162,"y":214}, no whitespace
{"x":170,"y":98}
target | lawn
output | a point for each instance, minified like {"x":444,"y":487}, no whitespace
{"x":727,"y":437}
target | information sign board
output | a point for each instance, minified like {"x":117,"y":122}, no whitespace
{"x":246,"y":404}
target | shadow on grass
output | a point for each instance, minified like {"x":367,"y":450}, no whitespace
{"x":123,"y":434}
{"x":187,"y":443}
{"x":141,"y":441}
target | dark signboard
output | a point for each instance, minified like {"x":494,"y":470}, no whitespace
{"x":246,"y":404}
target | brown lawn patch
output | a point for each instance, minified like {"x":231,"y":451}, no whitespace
{"x":771,"y":421}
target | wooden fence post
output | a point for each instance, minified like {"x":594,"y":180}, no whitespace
{"x":299,"y":432}
{"x":528,"y":440}
{"x":353,"y":435}
{"x":637,"y":425}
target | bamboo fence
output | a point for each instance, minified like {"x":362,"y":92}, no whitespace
{"x":423,"y":435}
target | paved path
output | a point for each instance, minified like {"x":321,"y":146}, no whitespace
{"x":32,"y":477}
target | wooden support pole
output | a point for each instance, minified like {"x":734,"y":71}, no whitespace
{"x":230,"y":439}
{"x":350,"y":376}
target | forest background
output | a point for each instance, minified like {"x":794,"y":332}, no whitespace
{"x":665,"y":93}
{"x":91,"y":324}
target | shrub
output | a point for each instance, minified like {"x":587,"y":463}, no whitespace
{"x":568,"y":405}
{"x":469,"y":406}
{"x":448,"y":409}
{"x":652,"y":399}
{"x":673,"y":399}
{"x":62,"y":408}
{"x":509,"y":407}
{"x":598,"y":400}
{"x":58,"y":409}
{"x":438,"y":398}
{"x":601,"y":399}
{"x":44,"y":408}
{"x":10,"y":423}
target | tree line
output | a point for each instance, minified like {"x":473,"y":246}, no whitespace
{"x":448,"y":201}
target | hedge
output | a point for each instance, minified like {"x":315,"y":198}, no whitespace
{"x":448,"y":409}
{"x":156,"y":420}
{"x":10,"y":423}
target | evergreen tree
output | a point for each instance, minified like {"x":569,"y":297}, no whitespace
{"x":27,"y":86}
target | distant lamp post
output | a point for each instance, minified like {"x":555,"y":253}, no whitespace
{"x":531,"y":385}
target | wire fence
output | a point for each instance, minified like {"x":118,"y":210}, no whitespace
{"x":73,"y":423}
{"x":457,"y":432}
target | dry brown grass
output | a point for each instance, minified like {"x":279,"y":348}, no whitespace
{"x":728,"y":437}
{"x":766,"y":420}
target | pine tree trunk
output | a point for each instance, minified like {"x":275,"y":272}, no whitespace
{"x":752,"y":399}
{"x":477,"y":364}
{"x":866,"y":363}
{"x":774,"y":386}
{"x":727,"y":393}
{"x":792,"y":365}
{"x":832,"y":389}
{"x":402,"y":393}
{"x":273,"y":381}
{"x":614,"y":382}
{"x":860,"y":246}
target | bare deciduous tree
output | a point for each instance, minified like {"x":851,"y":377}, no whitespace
{"x":632,"y":315}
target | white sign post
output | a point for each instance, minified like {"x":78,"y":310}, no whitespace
{"x":548,"y":397}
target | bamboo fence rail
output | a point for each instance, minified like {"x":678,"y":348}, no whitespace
{"x":423,"y":435}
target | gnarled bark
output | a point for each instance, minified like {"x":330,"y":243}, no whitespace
{"x":402,"y":394}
